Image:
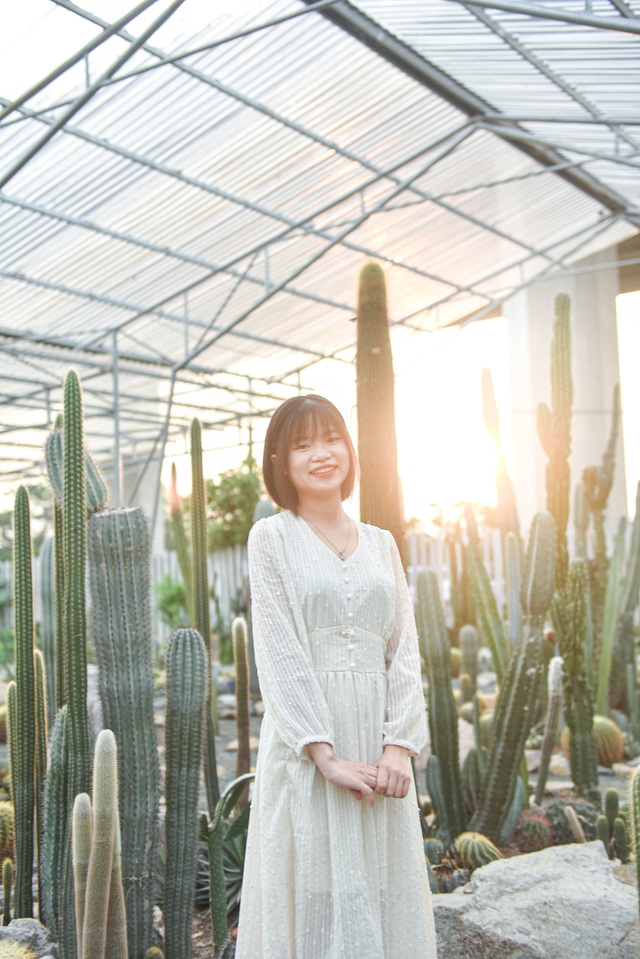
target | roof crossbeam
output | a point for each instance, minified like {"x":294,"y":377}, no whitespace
{"x":621,"y":24}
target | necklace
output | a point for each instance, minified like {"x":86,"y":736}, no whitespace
{"x":337,"y":549}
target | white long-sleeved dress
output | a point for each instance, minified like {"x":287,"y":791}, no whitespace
{"x":327,"y":876}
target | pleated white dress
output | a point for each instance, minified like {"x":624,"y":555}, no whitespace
{"x":327,"y":876}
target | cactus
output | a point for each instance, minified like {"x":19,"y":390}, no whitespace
{"x":243,"y":759}
{"x":434,"y":850}
{"x":551,"y":724}
{"x":514,"y":713}
{"x":578,"y":703}
{"x":154,"y":953}
{"x":24,"y":743}
{"x":612,"y":605}
{"x":586,"y":814}
{"x":634,"y":802}
{"x":380,"y":495}
{"x":443,"y":723}
{"x":119,"y":562}
{"x":514,"y":610}
{"x":7,"y":882}
{"x":7,"y":830}
{"x":201,"y":609}
{"x":611,"y":807}
{"x":554,"y":430}
{"x":42,"y":742}
{"x":81,"y":833}
{"x":96,"y":487}
{"x":59,"y":593}
{"x":608,"y":740}
{"x":48,"y":623}
{"x":620,"y":839}
{"x":187,"y":679}
{"x":624,"y":646}
{"x":575,"y":825}
{"x":474,"y":768}
{"x":580,"y":521}
{"x":56,"y":834}
{"x":469,"y":651}
{"x":485,"y":602}
{"x":603,"y":834}
{"x":180,"y":540}
{"x":434,"y":789}
{"x":507,"y":509}
{"x":475,"y":850}
{"x":104,"y":932}
{"x":533,"y":831}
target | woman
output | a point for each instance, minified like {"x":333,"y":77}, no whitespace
{"x":335,"y":867}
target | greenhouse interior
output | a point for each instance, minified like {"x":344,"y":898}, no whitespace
{"x":217,"y":215}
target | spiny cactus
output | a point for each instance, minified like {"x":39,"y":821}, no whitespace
{"x":56,"y":833}
{"x":608,"y":739}
{"x":240,"y":658}
{"x":469,"y":652}
{"x":48,"y":622}
{"x":475,"y":850}
{"x":485,"y":601}
{"x":7,"y":882}
{"x":23,"y":745}
{"x":533,"y":831}
{"x":609,"y":625}
{"x":434,"y":789}
{"x":442,"y":709}
{"x":81,"y":835}
{"x":514,"y":610}
{"x":119,"y":563}
{"x":551,"y":724}
{"x":634,"y":800}
{"x":611,"y":806}
{"x":7,"y":830}
{"x":554,"y":430}
{"x":180,"y":540}
{"x":97,"y":491}
{"x":620,"y":839}
{"x":201,"y":608}
{"x":624,"y":646}
{"x":380,"y":496}
{"x":580,"y":521}
{"x":187,"y":678}
{"x":42,"y":742}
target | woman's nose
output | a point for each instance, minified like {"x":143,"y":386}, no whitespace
{"x":320,"y":452}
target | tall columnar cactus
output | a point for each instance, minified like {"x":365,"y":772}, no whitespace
{"x":634,"y":801}
{"x":22,"y":756}
{"x":42,"y":743}
{"x":241,"y":660}
{"x":81,"y":833}
{"x":96,"y":487}
{"x":7,"y":882}
{"x":443,"y":720}
{"x":578,"y":700}
{"x":48,"y":622}
{"x":514,"y":610}
{"x":597,"y":482}
{"x":609,"y":623}
{"x":201,"y":608}
{"x":380,"y":494}
{"x":119,"y":563}
{"x":187,"y":679}
{"x":507,"y":509}
{"x":551,"y":724}
{"x":180,"y":540}
{"x":580,"y":521}
{"x":514,"y":713}
{"x":59,"y":594}
{"x":485,"y":601}
{"x":56,"y":836}
{"x":624,"y":646}
{"x":104,"y":931}
{"x":469,"y":652}
{"x":554,"y":429}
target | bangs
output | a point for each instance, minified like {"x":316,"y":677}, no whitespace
{"x":314,"y":420}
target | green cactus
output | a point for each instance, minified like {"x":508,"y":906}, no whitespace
{"x":40,"y":772}
{"x":60,"y":671}
{"x":514,"y":715}
{"x":469,"y":651}
{"x":551,"y":724}
{"x":22,"y":756}
{"x":485,"y":602}
{"x":533,"y":831}
{"x":7,"y":882}
{"x":240,"y":658}
{"x":611,"y":807}
{"x":104,"y":931}
{"x":48,"y":622}
{"x":7,"y":830}
{"x":180,"y":540}
{"x":201,"y":609}
{"x":514,"y":611}
{"x":81,"y":834}
{"x":620,"y":839}
{"x":603,"y":834}
{"x":119,"y":563}
{"x":634,"y":802}
{"x":154,"y":953}
{"x":474,"y":768}
{"x":443,"y":723}
{"x":507,"y":509}
{"x":187,"y":680}
{"x":624,"y":645}
{"x":434,"y":789}
{"x":578,"y":702}
{"x":554,"y":430}
{"x":434,"y":850}
{"x":612,"y":605}
{"x":380,"y":496}
{"x":580,"y":521}
{"x":475,"y":850}
{"x":97,"y":491}
{"x":56,"y":834}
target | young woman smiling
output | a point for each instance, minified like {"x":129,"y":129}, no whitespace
{"x":334,"y":867}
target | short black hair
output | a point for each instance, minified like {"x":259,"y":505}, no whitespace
{"x":297,"y":417}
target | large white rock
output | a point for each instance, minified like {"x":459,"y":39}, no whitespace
{"x":561,"y":903}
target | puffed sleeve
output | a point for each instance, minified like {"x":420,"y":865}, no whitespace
{"x":289,"y":687}
{"x":406,"y":718}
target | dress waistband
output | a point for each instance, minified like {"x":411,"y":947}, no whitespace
{"x":347,"y":648}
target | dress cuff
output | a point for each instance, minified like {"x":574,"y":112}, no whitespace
{"x":401,"y":742}
{"x":300,"y":751}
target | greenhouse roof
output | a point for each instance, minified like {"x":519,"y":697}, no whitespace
{"x":186,"y":197}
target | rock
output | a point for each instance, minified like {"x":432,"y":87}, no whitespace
{"x":258,"y":708}
{"x":227,"y":706}
{"x":621,"y":769}
{"x":559,"y":765}
{"x":561,"y":903}
{"x":31,"y":934}
{"x":226,"y":686}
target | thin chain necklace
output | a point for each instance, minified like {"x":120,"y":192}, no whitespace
{"x":339,"y":551}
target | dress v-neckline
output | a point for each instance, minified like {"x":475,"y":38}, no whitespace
{"x":325,"y":545}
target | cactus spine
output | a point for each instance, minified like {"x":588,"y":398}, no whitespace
{"x":554,"y":430}
{"x":104,"y":932}
{"x":58,"y":570}
{"x":187,"y":679}
{"x":201,"y":608}
{"x":514,"y":714}
{"x":42,"y":741}
{"x":551,"y":724}
{"x":24,"y":743}
{"x":475,"y":850}
{"x":7,"y":881}
{"x":380,"y":496}
{"x":48,"y":623}
{"x":81,"y":832}
{"x":119,"y":562}
{"x":443,"y":721}
{"x":243,"y":759}
{"x":96,"y":487}
{"x":56,"y":835}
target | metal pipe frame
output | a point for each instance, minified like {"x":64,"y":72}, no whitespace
{"x":622,"y":24}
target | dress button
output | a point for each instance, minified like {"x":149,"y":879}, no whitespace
{"x":348,"y":595}
{"x":349,"y":615}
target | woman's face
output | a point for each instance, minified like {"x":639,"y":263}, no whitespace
{"x":319,"y":463}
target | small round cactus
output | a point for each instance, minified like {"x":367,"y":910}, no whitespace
{"x":609,"y":740}
{"x":475,"y":850}
{"x":533,"y":831}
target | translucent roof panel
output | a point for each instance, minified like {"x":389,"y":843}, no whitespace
{"x":188,"y":190}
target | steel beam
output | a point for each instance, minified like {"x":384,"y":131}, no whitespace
{"x":547,"y":12}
